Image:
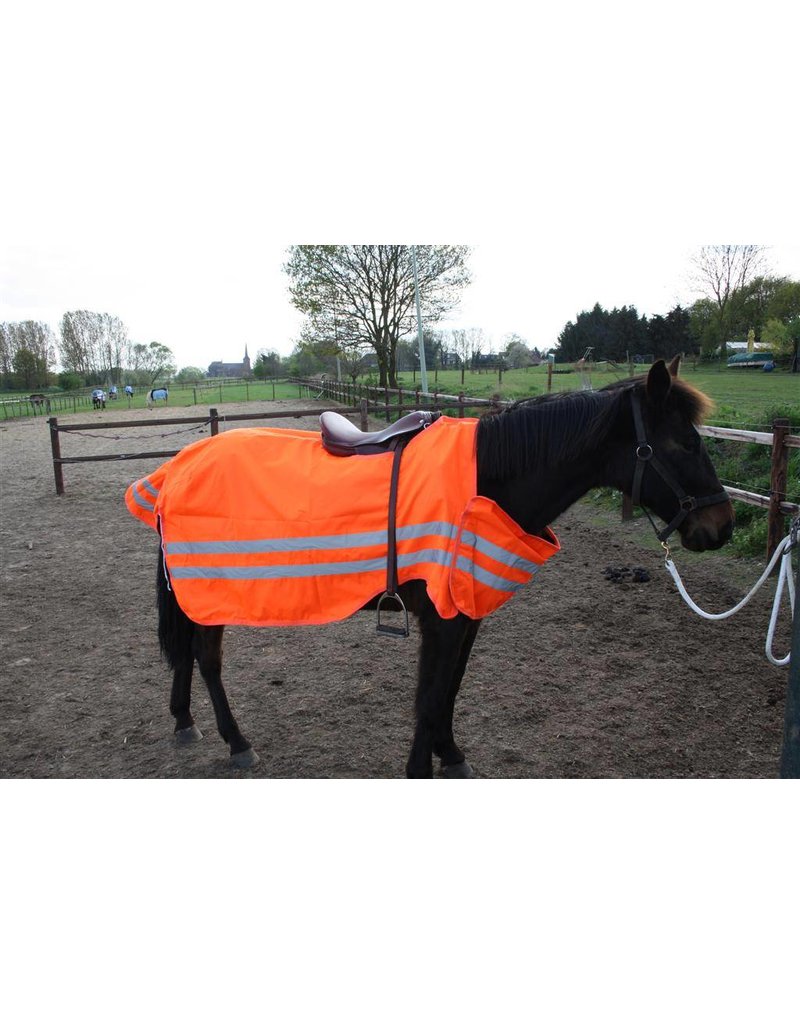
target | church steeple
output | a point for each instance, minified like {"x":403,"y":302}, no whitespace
{"x":246,"y":361}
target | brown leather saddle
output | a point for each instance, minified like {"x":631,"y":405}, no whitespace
{"x":341,"y":437}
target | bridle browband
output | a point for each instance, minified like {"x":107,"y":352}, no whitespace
{"x":645,"y":456}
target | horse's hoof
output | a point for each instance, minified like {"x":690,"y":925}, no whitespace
{"x":245,"y":758}
{"x":191,"y":734}
{"x":457,"y":771}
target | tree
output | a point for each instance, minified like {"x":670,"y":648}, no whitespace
{"x":516,"y":352}
{"x":705,"y":328}
{"x":784,"y":340}
{"x":364,"y":294}
{"x":68,"y":380}
{"x":28,"y":370}
{"x":721,"y":274}
{"x":784,"y":304}
{"x":669,"y":335}
{"x":94,"y":345}
{"x":189,"y":373}
{"x":468,"y":343}
{"x":150,"y":363}
{"x":37,"y":341}
{"x":268,"y":364}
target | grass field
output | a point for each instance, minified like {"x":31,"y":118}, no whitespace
{"x":748,"y":399}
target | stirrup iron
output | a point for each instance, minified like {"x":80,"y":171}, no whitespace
{"x":383,"y":627}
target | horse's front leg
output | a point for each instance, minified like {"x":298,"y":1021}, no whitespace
{"x":208,"y":651}
{"x":446,"y":644}
{"x":454,"y":764}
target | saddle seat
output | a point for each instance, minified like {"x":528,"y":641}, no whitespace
{"x":341,"y":437}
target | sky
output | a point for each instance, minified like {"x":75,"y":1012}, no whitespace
{"x":207,"y":309}
{"x":158,"y":164}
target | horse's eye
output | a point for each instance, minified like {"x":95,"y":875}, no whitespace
{"x":692,"y":443}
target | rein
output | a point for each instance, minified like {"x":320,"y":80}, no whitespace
{"x":645,"y":456}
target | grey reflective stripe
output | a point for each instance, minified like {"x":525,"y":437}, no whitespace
{"x":285,"y":572}
{"x":486,"y":547}
{"x":488,"y":579}
{"x":439,"y":556}
{"x":405,"y":559}
{"x":144,"y":482}
{"x":327,"y":542}
{"x":141,"y":500}
{"x":275,"y":572}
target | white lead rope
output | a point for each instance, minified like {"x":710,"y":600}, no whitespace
{"x":783,"y":553}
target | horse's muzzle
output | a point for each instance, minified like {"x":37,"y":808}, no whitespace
{"x":708,"y":529}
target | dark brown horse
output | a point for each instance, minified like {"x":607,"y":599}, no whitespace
{"x":534,"y":459}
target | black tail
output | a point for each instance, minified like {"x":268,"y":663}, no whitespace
{"x":175,"y":630}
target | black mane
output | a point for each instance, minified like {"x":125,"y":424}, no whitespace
{"x":534,"y":432}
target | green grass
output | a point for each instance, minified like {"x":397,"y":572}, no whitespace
{"x":743,"y":398}
{"x":205,"y":394}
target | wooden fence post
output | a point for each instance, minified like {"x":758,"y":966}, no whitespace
{"x":364,"y":409}
{"x":214,"y":415}
{"x":55,"y":444}
{"x":777,"y":485}
{"x":461,"y":405}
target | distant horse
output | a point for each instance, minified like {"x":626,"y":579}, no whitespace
{"x":128,"y":391}
{"x":39,"y":402}
{"x":157,"y":395}
{"x":112,"y":392}
{"x":98,"y":399}
{"x":533,"y":460}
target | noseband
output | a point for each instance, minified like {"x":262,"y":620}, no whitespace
{"x":645,"y":456}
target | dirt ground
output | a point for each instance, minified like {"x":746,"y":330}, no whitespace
{"x":594,"y":671}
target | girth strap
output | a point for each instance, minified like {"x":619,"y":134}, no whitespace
{"x":398,"y":444}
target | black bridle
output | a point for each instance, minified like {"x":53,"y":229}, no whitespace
{"x":645,"y":456}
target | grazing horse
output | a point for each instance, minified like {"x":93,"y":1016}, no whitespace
{"x":129,"y":391}
{"x":98,"y":399}
{"x":532,"y":461}
{"x":157,"y":395}
{"x":39,"y":401}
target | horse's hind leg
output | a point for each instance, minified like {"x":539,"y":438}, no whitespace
{"x":180,"y":699}
{"x":208,"y":652}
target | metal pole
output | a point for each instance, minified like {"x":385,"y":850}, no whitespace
{"x":790,"y":754}
{"x":423,"y":373}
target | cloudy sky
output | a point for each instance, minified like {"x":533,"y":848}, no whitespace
{"x":159,"y":162}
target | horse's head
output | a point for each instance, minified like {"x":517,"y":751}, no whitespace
{"x":671,"y":471}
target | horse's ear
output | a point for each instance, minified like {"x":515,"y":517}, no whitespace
{"x":659,"y":382}
{"x":675,"y":366}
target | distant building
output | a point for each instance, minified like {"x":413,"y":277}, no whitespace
{"x":242,"y":369}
